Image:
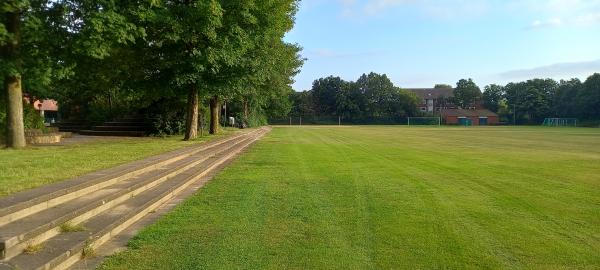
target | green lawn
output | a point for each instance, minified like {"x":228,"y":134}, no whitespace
{"x":39,"y":165}
{"x":390,"y":198}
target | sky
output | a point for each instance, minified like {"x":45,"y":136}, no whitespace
{"x":420,"y":43}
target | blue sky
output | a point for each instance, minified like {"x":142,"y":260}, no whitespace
{"x":419,"y":43}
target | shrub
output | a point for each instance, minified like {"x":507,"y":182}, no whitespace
{"x":32,"y":118}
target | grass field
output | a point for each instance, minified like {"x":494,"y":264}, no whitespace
{"x":35,"y":166}
{"x":390,"y":198}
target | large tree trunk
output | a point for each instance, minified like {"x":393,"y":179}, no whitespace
{"x":15,"y":133}
{"x":246,"y":109}
{"x":214,"y":115}
{"x":15,"y":130}
{"x":201,"y":120}
{"x":191,"y":125}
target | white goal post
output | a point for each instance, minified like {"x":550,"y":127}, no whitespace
{"x":424,"y":121}
{"x":560,"y":122}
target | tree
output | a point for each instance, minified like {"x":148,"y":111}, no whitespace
{"x":378,"y":91}
{"x":183,"y":38}
{"x":565,"y":99}
{"x":589,"y":98}
{"x":39,"y":38}
{"x":302,"y":103}
{"x":324,"y":92}
{"x":252,"y":53}
{"x":442,"y":86}
{"x":492,"y":96}
{"x":531,"y":101}
{"x":349,"y":102}
{"x":11,"y":53}
{"x":371,"y":96}
{"x":466,"y":93}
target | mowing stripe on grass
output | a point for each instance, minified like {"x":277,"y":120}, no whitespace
{"x":389,"y":198}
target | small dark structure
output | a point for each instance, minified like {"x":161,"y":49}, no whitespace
{"x":476,"y":117}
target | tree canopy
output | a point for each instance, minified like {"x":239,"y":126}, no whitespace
{"x":105,"y":58}
{"x":372,"y":96}
{"x":466,"y":93}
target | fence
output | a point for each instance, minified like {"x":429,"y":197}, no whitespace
{"x":335,"y":120}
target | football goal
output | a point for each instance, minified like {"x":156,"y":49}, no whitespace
{"x":424,"y":121}
{"x":560,"y":122}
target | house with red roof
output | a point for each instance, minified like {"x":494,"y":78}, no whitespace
{"x":438,"y":101}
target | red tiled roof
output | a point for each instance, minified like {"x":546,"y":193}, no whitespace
{"x":431,"y":93}
{"x":46,"y":105}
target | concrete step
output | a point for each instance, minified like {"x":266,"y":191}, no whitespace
{"x":62,"y":250}
{"x":16,"y":236}
{"x":73,"y":130}
{"x":120,"y":128}
{"x":127,"y":123}
{"x":113,"y":133}
{"x":29,"y":202}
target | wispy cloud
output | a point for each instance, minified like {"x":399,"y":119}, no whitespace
{"x":559,"y":70}
{"x":588,"y":19}
{"x":537,"y":24}
{"x":556,"y":13}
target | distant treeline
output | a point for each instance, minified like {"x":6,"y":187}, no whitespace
{"x":374,"y":96}
{"x":531,"y":101}
{"x":371,"y":96}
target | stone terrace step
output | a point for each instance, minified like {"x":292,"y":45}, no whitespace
{"x":64,"y":249}
{"x":16,"y":236}
{"x":120,"y":128}
{"x":29,"y":202}
{"x":126,"y":123}
{"x":113,"y":133}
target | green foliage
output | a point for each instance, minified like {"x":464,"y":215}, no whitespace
{"x":492,"y":96}
{"x":324,"y":92}
{"x":32,"y":118}
{"x":167,"y":116}
{"x":589,"y":98}
{"x":2,"y":114}
{"x":442,"y":86}
{"x":565,"y":100}
{"x":68,"y":227}
{"x":371,"y":96}
{"x":466,"y":93}
{"x":104,"y":59}
{"x":256,"y":119}
{"x":531,"y":101}
{"x":302,"y":103}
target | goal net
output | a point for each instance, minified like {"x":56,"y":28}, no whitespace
{"x":424,"y":121}
{"x":560,"y":122}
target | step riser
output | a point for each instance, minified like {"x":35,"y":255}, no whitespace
{"x":121,"y":128}
{"x":73,"y":257}
{"x":112,"y":133}
{"x":138,"y":124}
{"x":81,"y":192}
{"x":15,"y":246}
